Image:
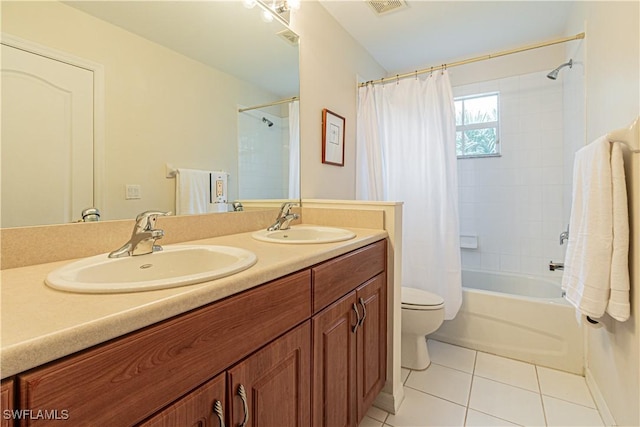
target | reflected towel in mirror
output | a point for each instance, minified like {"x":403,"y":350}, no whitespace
{"x":193,"y":191}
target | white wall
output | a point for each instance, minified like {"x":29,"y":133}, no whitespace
{"x":514,"y":203}
{"x":612,"y":86}
{"x":330,"y":63}
{"x":160,"y":106}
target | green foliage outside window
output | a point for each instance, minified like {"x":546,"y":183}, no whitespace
{"x":477,"y":126}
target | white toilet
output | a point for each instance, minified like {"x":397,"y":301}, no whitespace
{"x":422,"y":314}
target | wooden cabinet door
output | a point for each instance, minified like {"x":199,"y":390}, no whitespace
{"x":372,"y":338}
{"x":334,"y":362}
{"x":6,"y":402}
{"x":201,"y":408}
{"x":276,"y":383}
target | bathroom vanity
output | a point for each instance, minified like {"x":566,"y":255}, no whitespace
{"x":305,"y":348}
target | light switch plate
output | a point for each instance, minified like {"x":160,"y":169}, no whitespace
{"x":132,"y":192}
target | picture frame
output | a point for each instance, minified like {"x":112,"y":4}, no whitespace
{"x":333,"y":126}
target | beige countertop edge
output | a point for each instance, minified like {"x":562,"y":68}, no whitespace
{"x":40,"y":324}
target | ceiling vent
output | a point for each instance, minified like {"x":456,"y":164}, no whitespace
{"x":381,"y":7}
{"x":289,"y":36}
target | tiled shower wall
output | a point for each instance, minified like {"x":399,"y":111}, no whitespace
{"x":263,"y":156}
{"x":515,"y":203}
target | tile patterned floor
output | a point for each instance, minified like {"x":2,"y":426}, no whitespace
{"x":464,"y":387}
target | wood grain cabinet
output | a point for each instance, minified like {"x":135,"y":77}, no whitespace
{"x":276,"y":383}
{"x":6,"y":403}
{"x":349,"y":337}
{"x":203,"y":407}
{"x":269,"y":388}
{"x":127,"y":380}
{"x":306,"y":349}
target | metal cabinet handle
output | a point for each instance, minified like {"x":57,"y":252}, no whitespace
{"x":243,"y":396}
{"x":364,"y":311}
{"x":355,"y":327}
{"x":217,"y":409}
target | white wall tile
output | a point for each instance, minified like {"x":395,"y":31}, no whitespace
{"x":522,"y":194}
{"x":489,"y":261}
{"x":510,"y":263}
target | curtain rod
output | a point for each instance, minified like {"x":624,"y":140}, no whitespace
{"x":255,"y":107}
{"x":476,"y":59}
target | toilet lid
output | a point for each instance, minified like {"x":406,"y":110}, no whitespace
{"x":419,"y":297}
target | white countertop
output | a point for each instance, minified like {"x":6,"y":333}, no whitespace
{"x":40,"y":324}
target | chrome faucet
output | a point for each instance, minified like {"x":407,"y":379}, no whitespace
{"x":144,"y":236}
{"x":564,"y":236}
{"x":553,"y":266}
{"x":284,"y":217}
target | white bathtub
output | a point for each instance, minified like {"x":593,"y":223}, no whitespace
{"x":521,"y":317}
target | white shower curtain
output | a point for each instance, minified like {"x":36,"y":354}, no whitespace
{"x":406,"y":151}
{"x":294,"y":150}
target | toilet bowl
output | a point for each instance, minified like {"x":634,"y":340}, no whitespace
{"x":422,"y":314}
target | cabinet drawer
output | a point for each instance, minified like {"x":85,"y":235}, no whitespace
{"x":335,"y":278}
{"x":126,"y":380}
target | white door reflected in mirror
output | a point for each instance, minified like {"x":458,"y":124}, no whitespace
{"x":47,"y":139}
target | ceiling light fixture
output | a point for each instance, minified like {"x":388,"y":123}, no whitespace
{"x":278,"y":9}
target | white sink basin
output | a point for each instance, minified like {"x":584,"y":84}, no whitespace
{"x":304,"y":234}
{"x":175,"y":266}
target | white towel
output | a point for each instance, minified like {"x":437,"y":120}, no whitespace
{"x":192,"y":191}
{"x":594,"y":275}
{"x":619,"y":306}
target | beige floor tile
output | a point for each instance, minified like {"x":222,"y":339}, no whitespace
{"x":370,"y":422}
{"x":478,"y":419}
{"x":451,"y":356}
{"x":377,"y":414}
{"x":443,"y":382}
{"x":499,"y":392}
{"x":562,"y":413}
{"x":507,"y":402}
{"x":420,"y":409}
{"x":565,"y":386}
{"x":508,"y":371}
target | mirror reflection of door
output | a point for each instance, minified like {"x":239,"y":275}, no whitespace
{"x":47,"y":139}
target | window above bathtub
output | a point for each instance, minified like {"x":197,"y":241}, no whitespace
{"x":478,"y":125}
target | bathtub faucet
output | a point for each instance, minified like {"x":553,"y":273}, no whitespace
{"x":553,"y":266}
{"x":564,"y":236}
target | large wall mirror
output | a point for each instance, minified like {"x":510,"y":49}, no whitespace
{"x":200,"y":85}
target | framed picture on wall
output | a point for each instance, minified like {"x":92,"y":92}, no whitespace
{"x":332,"y":138}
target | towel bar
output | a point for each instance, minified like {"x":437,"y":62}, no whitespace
{"x":171,"y":171}
{"x":630,"y":136}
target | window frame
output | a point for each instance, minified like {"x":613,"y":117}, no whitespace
{"x":495,"y":124}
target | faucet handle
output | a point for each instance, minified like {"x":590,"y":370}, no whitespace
{"x":147,"y":219}
{"x":285,"y":208}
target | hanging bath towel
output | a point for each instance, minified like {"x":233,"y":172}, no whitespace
{"x":596,"y":275}
{"x":192,"y":191}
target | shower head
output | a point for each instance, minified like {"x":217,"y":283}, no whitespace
{"x":267,"y":121}
{"x":554,"y":74}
